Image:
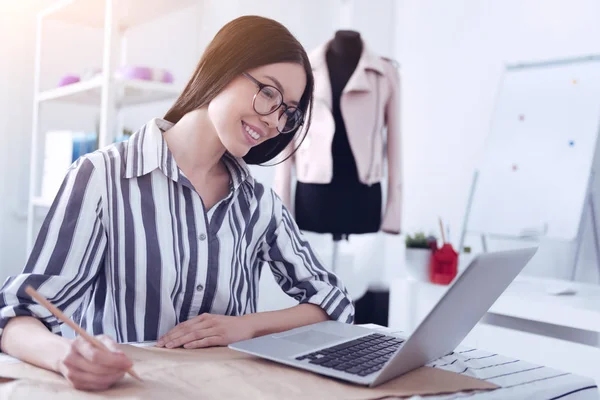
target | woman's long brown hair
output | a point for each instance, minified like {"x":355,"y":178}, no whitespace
{"x":245,"y":43}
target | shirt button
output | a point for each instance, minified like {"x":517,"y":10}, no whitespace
{"x":199,"y":288}
{"x":202,"y":236}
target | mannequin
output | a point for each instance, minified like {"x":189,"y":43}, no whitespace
{"x":353,"y":144}
{"x":332,"y":207}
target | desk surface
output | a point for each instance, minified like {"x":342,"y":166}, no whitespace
{"x":532,"y":299}
{"x":517,"y":379}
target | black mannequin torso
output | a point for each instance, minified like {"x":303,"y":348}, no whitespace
{"x":342,"y":58}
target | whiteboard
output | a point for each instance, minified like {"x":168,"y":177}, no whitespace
{"x":539,"y":152}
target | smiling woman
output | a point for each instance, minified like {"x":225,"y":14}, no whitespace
{"x":163,"y":237}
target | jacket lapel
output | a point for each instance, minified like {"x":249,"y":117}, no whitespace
{"x":358,"y":82}
{"x":321,"y":75}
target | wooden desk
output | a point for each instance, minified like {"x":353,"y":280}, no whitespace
{"x":518,"y":379}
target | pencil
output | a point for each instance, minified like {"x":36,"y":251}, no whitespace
{"x":59,"y":314}
{"x":442,"y":230}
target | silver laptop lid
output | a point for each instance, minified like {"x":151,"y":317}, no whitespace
{"x":458,"y":311}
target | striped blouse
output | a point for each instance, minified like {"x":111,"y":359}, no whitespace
{"x":128,"y":249}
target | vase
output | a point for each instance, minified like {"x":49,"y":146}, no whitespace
{"x":417,"y":263}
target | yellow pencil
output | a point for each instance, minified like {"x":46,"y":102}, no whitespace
{"x":442,"y":231}
{"x":58,"y":314}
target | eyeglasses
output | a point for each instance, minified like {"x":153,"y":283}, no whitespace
{"x":269,"y":99}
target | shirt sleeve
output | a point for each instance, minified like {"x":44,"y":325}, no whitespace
{"x":298,"y":269}
{"x":67,"y":253}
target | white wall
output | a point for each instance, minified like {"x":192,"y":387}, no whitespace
{"x":452,"y":56}
{"x":4,"y":52}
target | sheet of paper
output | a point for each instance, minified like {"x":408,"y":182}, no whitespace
{"x":221,"y":373}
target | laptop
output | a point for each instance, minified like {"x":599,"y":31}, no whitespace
{"x":369,"y":357}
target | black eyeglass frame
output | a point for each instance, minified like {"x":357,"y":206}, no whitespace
{"x":261,"y":86}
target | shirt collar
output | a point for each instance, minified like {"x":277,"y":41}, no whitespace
{"x":238,"y":170}
{"x":147,"y":150}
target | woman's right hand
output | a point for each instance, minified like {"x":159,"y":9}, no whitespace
{"x":89,"y":368}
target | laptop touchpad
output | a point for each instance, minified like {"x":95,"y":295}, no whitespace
{"x":311,"y":338}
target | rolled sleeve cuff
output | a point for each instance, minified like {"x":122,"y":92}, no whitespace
{"x":22,"y":310}
{"x":335,"y":303}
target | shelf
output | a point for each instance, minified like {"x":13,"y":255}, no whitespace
{"x":128,"y":92}
{"x":129,"y":12}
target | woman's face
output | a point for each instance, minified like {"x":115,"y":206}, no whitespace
{"x":238,"y":124}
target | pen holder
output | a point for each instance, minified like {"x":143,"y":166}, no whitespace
{"x":443,"y":266}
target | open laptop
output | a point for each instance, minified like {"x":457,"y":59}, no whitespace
{"x":367,"y":357}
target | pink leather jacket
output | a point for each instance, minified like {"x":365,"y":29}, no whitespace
{"x":370,"y":106}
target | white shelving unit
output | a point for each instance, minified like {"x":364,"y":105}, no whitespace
{"x":114,"y":18}
{"x":132,"y":92}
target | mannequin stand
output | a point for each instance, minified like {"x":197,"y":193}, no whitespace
{"x":373,"y":306}
{"x":336,"y":241}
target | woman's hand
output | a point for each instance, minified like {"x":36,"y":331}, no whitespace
{"x":207,"y":330}
{"x":89,"y":368}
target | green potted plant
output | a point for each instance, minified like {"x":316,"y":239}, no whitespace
{"x":418,"y":255}
{"x":418,"y":241}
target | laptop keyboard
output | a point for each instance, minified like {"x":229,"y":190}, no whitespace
{"x":361,"y":356}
